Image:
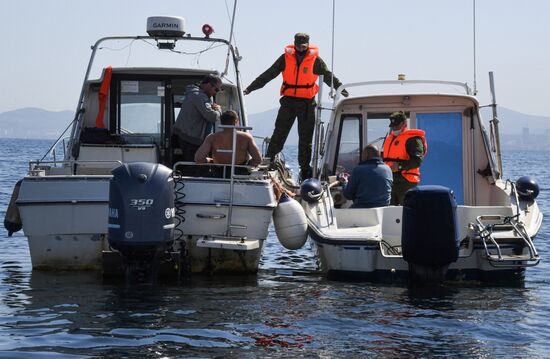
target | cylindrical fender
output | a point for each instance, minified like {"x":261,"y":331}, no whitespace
{"x":290,"y":223}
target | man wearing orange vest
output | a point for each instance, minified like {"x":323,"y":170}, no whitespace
{"x":404,"y":151}
{"x":301,"y":66}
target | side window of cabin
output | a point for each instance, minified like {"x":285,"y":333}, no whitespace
{"x":349,"y":143}
{"x":377,"y":129}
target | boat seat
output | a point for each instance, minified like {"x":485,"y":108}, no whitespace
{"x":358,"y":233}
{"x":357,"y":217}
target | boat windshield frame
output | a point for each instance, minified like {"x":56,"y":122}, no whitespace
{"x":462,"y":86}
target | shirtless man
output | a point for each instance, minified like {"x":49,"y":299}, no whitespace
{"x":223,"y":141}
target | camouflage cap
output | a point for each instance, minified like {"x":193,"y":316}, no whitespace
{"x":301,"y":38}
{"x":397,"y":118}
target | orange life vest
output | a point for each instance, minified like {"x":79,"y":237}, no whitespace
{"x":395,"y":149}
{"x":300,"y":81}
{"x":103,"y":95}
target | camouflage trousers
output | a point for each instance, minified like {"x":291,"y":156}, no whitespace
{"x":399,"y":189}
{"x":292,"y":108}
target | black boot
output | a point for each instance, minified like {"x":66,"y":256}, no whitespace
{"x":305,"y":173}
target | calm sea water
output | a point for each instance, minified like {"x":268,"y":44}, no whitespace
{"x":287,"y":310}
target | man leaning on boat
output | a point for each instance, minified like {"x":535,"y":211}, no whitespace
{"x":404,"y":151}
{"x":370,"y":184}
{"x":198,"y":115}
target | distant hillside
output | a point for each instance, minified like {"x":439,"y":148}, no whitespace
{"x":43,"y":124}
{"x":263,"y":123}
{"x":513,"y":122}
{"x":34,"y":123}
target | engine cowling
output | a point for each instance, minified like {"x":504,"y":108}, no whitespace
{"x":141,"y":211}
{"x":429,"y":236}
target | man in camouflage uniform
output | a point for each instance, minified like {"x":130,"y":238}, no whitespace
{"x":404,"y":151}
{"x":300,"y":66}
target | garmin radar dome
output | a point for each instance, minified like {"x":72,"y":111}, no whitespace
{"x":165,"y":26}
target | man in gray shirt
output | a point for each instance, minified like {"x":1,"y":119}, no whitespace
{"x":198,"y":115}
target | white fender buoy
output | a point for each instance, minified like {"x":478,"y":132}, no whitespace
{"x":290,"y":223}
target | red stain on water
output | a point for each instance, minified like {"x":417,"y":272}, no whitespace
{"x":281,"y":340}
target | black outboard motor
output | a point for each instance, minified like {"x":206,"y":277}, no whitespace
{"x":141,"y":216}
{"x":429,"y":236}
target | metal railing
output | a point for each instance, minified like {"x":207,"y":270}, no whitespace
{"x":495,"y":256}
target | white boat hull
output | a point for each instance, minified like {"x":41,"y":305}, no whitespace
{"x":66,"y":221}
{"x":357,"y":243}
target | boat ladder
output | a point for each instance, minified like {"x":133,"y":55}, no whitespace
{"x":494,"y":255}
{"x":233,"y":152}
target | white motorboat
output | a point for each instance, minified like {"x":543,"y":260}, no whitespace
{"x":464,"y":220}
{"x":203,"y":218}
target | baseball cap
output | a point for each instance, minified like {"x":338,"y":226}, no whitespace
{"x":397,"y":118}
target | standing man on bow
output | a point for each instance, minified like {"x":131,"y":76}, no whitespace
{"x":300,"y":65}
{"x":404,"y":151}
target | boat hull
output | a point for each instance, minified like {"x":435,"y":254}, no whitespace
{"x":65,"y":219}
{"x":365,"y":244}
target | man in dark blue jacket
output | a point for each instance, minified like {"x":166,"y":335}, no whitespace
{"x":371,"y":181}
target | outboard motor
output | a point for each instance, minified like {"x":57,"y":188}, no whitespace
{"x":527,"y":188}
{"x":141,"y":216}
{"x":311,"y":190}
{"x":429,"y":235}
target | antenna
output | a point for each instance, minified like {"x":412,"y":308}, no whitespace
{"x":331,"y":93}
{"x":475,"y":70}
{"x":230,"y":39}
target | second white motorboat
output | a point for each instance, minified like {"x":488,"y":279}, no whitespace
{"x":464,"y":221}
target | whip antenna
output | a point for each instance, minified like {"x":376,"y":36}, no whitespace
{"x":331,"y":93}
{"x":475,"y":70}
{"x":230,"y":39}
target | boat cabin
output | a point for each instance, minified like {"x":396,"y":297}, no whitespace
{"x":134,"y":121}
{"x":458,"y":155}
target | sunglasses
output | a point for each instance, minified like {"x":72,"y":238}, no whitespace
{"x":217,"y":89}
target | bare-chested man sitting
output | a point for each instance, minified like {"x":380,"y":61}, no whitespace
{"x":223,"y":141}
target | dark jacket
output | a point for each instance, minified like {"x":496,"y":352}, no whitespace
{"x":370,"y":184}
{"x":196,"y":116}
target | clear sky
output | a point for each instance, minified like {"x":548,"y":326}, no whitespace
{"x":46,"y":43}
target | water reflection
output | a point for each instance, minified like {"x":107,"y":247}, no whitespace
{"x":269,"y":314}
{"x":287,"y":310}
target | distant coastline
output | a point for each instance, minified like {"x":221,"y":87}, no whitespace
{"x":518,"y":131}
